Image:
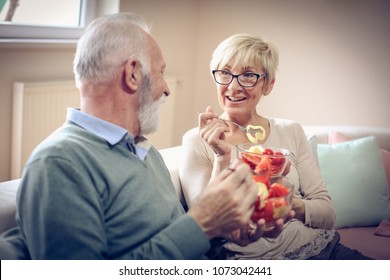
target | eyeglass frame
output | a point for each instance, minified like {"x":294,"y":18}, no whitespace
{"x":258,"y":77}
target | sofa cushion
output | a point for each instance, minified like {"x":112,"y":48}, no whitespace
{"x":338,"y":137}
{"x":356,"y":180}
{"x":364,"y":240}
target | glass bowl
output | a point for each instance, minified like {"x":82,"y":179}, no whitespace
{"x":273,"y":202}
{"x":253,"y":155}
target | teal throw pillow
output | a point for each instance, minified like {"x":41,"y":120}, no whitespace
{"x":355,"y":176}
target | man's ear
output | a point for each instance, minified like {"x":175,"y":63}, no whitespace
{"x":268,"y":87}
{"x":133,"y":75}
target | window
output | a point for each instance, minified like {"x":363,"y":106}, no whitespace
{"x":50,"y":20}
{"x":42,"y":12}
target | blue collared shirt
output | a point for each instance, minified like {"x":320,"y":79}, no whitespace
{"x":112,"y":133}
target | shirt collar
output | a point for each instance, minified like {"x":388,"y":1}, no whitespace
{"x":112,"y":133}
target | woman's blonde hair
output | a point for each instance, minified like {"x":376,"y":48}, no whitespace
{"x":247,"y":49}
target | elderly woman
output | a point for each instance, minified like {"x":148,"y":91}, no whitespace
{"x":243,"y":67}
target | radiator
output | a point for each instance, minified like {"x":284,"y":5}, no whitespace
{"x":40,"y":108}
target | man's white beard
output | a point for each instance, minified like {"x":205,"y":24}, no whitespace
{"x":149,"y":113}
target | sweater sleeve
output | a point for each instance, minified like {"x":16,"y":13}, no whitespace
{"x":53,"y":207}
{"x":183,"y":240}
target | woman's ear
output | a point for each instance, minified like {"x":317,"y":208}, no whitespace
{"x":132,"y":75}
{"x":268,"y":87}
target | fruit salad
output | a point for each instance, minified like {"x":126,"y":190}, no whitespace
{"x":274,"y":194}
{"x":253,"y":154}
{"x":273,"y":200}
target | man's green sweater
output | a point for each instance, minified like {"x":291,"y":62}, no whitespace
{"x":84,"y":198}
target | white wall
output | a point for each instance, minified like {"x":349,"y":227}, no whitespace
{"x":334,"y":62}
{"x":175,"y":25}
{"x":27,"y":65}
{"x":29,"y":62}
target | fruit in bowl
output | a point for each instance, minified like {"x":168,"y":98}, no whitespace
{"x":275,"y":192}
{"x":257,"y":157}
{"x":273,"y":200}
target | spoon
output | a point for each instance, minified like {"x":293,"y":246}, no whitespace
{"x":242,"y":128}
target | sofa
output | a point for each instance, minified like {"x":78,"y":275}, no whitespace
{"x":342,"y":152}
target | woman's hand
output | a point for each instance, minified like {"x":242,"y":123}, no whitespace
{"x":252,"y":232}
{"x":213,"y":130}
{"x":287,"y":169}
{"x":299,"y":207}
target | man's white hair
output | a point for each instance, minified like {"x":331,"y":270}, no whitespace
{"x":108,"y":42}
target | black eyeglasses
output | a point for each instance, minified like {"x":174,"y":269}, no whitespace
{"x":247,"y":79}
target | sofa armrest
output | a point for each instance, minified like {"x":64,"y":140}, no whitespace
{"x":8,"y":192}
{"x":171,"y":156}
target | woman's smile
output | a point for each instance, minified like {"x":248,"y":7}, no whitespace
{"x":235,"y":99}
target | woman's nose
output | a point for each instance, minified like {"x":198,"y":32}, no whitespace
{"x":234,"y":85}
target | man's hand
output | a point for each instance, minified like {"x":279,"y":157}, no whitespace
{"x":227,"y":203}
